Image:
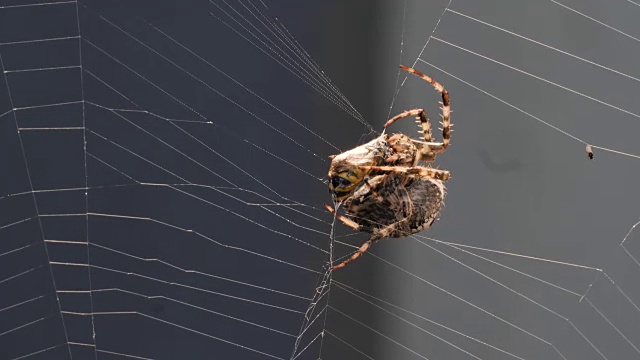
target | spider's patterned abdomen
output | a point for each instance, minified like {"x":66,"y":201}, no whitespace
{"x":408,"y":202}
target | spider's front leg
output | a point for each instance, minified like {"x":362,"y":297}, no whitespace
{"x":426,"y":172}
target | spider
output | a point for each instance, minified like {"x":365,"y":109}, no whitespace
{"x":380,"y":185}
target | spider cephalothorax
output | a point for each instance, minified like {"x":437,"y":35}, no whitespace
{"x":347,"y":173}
{"x":380,"y":185}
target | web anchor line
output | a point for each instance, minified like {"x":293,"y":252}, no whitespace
{"x":274,"y":52}
{"x":424,"y":47}
{"x":325,"y":282}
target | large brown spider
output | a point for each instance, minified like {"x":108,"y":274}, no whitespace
{"x":380,"y":185}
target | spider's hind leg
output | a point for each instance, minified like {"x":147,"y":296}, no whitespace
{"x":350,"y":223}
{"x":380,"y":234}
{"x":360,"y":251}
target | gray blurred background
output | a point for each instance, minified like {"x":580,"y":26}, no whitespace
{"x":202,"y":149}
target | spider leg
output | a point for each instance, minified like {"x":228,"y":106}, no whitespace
{"x":446,"y":108}
{"x":380,"y":234}
{"x":423,"y":120}
{"x":427,"y":172}
{"x":350,"y":223}
{"x":426,"y":148}
{"x":362,"y":249}
{"x":373,"y":191}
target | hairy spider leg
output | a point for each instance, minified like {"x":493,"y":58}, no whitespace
{"x":373,"y":191}
{"x":359,"y":252}
{"x":382,"y":233}
{"x":446,"y":111}
{"x":426,"y":150}
{"x":422,"y":118}
{"x":421,"y":171}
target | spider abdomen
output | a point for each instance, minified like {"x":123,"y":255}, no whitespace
{"x":407,"y":202}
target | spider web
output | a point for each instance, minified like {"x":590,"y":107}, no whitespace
{"x":164,"y":180}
